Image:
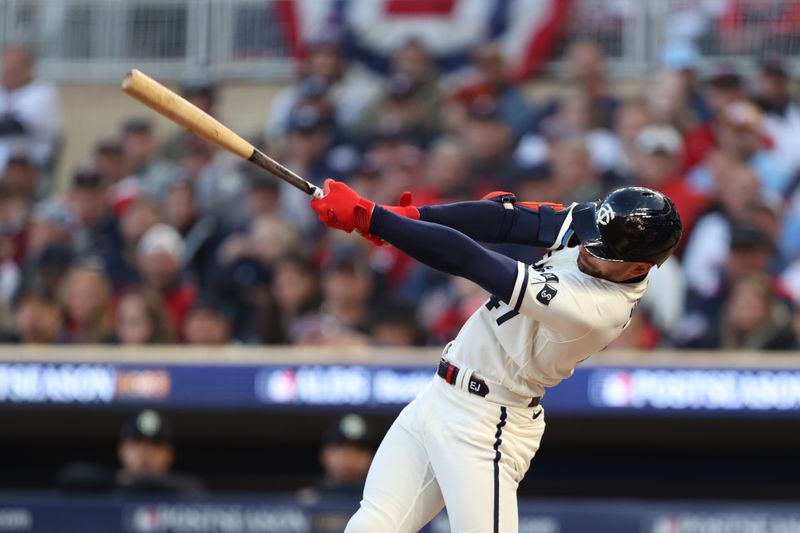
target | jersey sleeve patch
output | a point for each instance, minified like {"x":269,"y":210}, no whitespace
{"x":546,"y":294}
{"x":549,"y":276}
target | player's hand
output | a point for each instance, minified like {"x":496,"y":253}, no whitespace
{"x":342,"y":208}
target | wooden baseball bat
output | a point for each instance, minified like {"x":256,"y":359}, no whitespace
{"x":179,"y":110}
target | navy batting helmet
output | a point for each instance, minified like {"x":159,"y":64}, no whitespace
{"x":632,"y":224}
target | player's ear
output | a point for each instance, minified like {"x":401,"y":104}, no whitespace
{"x":640,"y":269}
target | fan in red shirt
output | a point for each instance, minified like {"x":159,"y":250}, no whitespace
{"x":159,"y":261}
{"x":723,"y":88}
{"x":657,"y":165}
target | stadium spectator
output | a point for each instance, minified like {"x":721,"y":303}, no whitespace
{"x":395,"y":324}
{"x":22,"y":175}
{"x":683,"y":57}
{"x":295,"y":294}
{"x":49,"y":223}
{"x":201,"y":232}
{"x":39,"y":319}
{"x":134,"y":221}
{"x":344,"y":316}
{"x":218,"y":183}
{"x":669,"y":101}
{"x":753,"y":318}
{"x":657,"y":165}
{"x":586,"y":68}
{"x":724,"y":87}
{"x":781,"y":113}
{"x":142,"y":160}
{"x":346,"y":287}
{"x":14,"y":209}
{"x":400,"y":111}
{"x":207,"y":323}
{"x":740,"y":136}
{"x":140,"y":319}
{"x":87,"y":304}
{"x":738,"y":199}
{"x":445,"y":176}
{"x":146,"y":451}
{"x":574,"y":115}
{"x":47,"y":270}
{"x":96,"y":230}
{"x":160,"y":255}
{"x":750,"y":251}
{"x":109,"y":160}
{"x":414,"y":61}
{"x":10,"y":275}
{"x":348,"y":446}
{"x":492,"y":78}
{"x":30,"y":112}
{"x":263,"y":195}
{"x":267,"y":239}
{"x":632,"y":116}
{"x":349,"y":91}
{"x":490,"y":146}
{"x":572,"y":177}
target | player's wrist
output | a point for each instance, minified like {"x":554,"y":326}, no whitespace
{"x":404,"y":207}
{"x":362,"y":214}
{"x":408,"y":211}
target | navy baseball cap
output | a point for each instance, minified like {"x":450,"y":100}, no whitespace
{"x":350,"y":429}
{"x":147,"y":425}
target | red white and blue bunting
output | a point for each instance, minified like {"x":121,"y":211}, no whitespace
{"x":371,"y":30}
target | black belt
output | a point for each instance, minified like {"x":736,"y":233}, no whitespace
{"x":449,"y":372}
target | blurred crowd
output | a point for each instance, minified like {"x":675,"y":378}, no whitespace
{"x":174,"y":240}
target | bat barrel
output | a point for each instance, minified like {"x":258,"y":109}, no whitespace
{"x":179,"y":110}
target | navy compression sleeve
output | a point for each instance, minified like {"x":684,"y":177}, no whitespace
{"x":446,"y":249}
{"x":490,"y":221}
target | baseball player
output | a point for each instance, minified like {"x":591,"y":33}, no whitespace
{"x":468,"y":438}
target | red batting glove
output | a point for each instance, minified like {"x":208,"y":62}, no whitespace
{"x":342,"y":208}
{"x":404,"y":207}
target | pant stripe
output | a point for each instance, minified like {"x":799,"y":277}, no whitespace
{"x":497,"y":442}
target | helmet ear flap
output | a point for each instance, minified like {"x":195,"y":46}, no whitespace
{"x":584,"y":222}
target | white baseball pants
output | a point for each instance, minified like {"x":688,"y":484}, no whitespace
{"x":455,"y":449}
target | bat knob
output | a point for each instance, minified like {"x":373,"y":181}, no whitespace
{"x":317,"y":193}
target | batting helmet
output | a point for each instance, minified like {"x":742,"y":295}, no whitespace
{"x":632,"y":224}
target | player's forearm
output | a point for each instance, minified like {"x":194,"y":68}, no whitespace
{"x":489,"y":221}
{"x":447,"y":250}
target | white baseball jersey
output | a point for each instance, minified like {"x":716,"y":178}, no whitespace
{"x":557,"y":317}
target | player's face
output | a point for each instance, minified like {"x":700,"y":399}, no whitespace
{"x":610,"y":270}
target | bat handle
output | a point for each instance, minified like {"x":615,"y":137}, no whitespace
{"x":317,"y":193}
